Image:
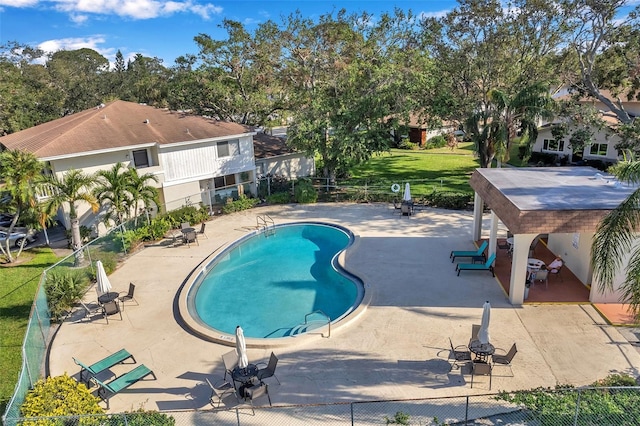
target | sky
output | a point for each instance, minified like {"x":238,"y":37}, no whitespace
{"x":163,"y":28}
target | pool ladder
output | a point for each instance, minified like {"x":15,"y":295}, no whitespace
{"x":266,"y":224}
{"x":306,"y":317}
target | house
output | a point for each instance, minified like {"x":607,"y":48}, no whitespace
{"x":604,"y":143}
{"x":196,"y":159}
{"x":275,"y":158}
{"x":420,"y":132}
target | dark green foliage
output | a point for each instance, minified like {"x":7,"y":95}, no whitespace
{"x":399,"y":418}
{"x":305,"y":193}
{"x":542,"y":158}
{"x":279,"y":198}
{"x":406,"y":144}
{"x":190,"y":214}
{"x":85,"y":235}
{"x":64,"y":287}
{"x":449,"y":200}
{"x":242,"y":203}
{"x":438,"y":141}
{"x":158,"y":228}
{"x":141,"y":418}
{"x":59,"y":396}
{"x":273,"y":184}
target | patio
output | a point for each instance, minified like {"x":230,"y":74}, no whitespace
{"x":396,"y":349}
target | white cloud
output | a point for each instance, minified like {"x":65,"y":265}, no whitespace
{"x":78,"y":19}
{"x":435,"y":14}
{"x":135,"y":9}
{"x":74,"y":43}
{"x":18,"y":3}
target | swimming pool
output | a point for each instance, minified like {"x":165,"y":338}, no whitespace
{"x":268,"y":282}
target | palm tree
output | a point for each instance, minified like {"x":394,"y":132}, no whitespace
{"x":616,"y":237}
{"x":140,"y":190}
{"x":112,"y":189}
{"x":19,"y":170}
{"x":72,"y":187}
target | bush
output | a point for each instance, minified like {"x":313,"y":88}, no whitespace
{"x":64,"y":287}
{"x":279,"y":198}
{"x":190,"y":214}
{"x":59,"y":396}
{"x":242,"y":203}
{"x":305,"y":193}
{"x":142,"y":418}
{"x":405,"y":144}
{"x":449,"y":200}
{"x":157,"y":228}
{"x":273,"y":184}
{"x":543,"y":158}
{"x":438,"y":141}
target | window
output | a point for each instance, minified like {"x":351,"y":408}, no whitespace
{"x":227,"y":148}
{"x":140,"y":158}
{"x":553,"y":145}
{"x":599,"y":149}
{"x":223,"y":181}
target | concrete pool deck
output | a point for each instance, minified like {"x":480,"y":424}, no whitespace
{"x":396,"y":349}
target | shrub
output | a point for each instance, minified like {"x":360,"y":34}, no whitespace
{"x":59,"y":396}
{"x":131,"y":238}
{"x":449,"y":200}
{"x":157,"y":228}
{"x":242,"y":203}
{"x":542,"y":157}
{"x":273,"y":184}
{"x":305,"y":193}
{"x":438,"y":141}
{"x":406,"y":144}
{"x":190,"y":214}
{"x":142,"y":418}
{"x":64,"y":287}
{"x":279,"y":198}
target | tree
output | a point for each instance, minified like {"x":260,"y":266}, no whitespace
{"x":616,"y":238}
{"x":140,"y":191}
{"x":19,"y":170}
{"x":74,"y":186}
{"x":111,"y":189}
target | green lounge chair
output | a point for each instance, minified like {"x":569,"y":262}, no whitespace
{"x":103,"y":365}
{"x":487,"y":266}
{"x":107,"y":390}
{"x":465,"y":253}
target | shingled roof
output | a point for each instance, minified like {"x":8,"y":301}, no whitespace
{"x":266,"y":146}
{"x":117,"y":124}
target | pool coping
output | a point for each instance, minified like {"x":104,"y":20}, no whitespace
{"x":205,"y":333}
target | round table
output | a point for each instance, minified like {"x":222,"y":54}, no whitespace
{"x":108,"y":297}
{"x":244,"y":375}
{"x":481,"y":350}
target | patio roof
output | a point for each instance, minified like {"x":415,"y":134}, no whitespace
{"x":542,"y":200}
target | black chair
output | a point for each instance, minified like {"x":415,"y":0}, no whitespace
{"x":111,"y":308}
{"x":505,"y":359}
{"x":201,"y":232}
{"x":269,"y":370}
{"x":185,"y":225}
{"x":220,"y":390}
{"x":254,"y":391}
{"x":129,"y":295}
{"x":230,"y":360}
{"x":459,"y":355}
{"x":190,"y":237}
{"x":481,"y":369}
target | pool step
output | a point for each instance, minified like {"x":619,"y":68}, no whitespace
{"x":303,"y":328}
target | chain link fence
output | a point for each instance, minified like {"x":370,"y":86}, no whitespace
{"x":569,"y":407}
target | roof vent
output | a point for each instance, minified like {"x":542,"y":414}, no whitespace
{"x":146,"y":121}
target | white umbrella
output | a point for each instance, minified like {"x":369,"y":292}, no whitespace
{"x":407,"y":193}
{"x":241,"y":348}
{"x":104,"y":285}
{"x":483,"y":333}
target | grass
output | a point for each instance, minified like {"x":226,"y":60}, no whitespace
{"x":18,"y":285}
{"x":425,"y":170}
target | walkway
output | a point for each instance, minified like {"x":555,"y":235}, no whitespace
{"x":397,"y":348}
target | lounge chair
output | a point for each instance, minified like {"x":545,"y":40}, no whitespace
{"x":103,"y":365}
{"x":269,"y":370}
{"x":107,"y":390}
{"x":469,"y":253}
{"x":129,"y":295}
{"x":459,"y":355}
{"x":220,"y":390}
{"x":487,"y":266}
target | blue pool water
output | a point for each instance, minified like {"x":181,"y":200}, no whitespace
{"x":268,"y":283}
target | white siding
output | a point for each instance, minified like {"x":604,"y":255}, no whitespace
{"x":290,"y":166}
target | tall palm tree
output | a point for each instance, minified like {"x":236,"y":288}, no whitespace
{"x":112,"y":189}
{"x":616,"y":237}
{"x":19,"y":170}
{"x":74,"y":186}
{"x":140,"y":190}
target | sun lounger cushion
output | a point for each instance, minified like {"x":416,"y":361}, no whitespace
{"x":106,"y":390}
{"x":469,"y":253}
{"x":104,"y":364}
{"x":487,"y":266}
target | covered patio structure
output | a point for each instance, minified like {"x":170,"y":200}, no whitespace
{"x":567,"y":203}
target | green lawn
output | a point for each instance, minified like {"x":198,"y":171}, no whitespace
{"x":425,"y":169}
{"x":18,"y":286}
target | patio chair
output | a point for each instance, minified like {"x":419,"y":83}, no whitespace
{"x":230,"y":360}
{"x":111,"y":308}
{"x":255,"y":391}
{"x":481,"y":369}
{"x":185,"y":225}
{"x":475,"y":329}
{"x":220,"y":390}
{"x":269,"y":370}
{"x":459,"y":355}
{"x":405,"y":209}
{"x":506,"y":359}
{"x":129,"y":295}
{"x":469,"y":253}
{"x":557,"y":271}
{"x":487,"y":266}
{"x":89,"y":310}
{"x":191,"y":237}
{"x":102,"y":365}
{"x":541,"y":275}
{"x":201,"y":231}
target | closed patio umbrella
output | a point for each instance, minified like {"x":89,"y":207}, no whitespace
{"x":407,"y":193}
{"x":483,"y":333}
{"x":104,"y":285}
{"x":241,"y":348}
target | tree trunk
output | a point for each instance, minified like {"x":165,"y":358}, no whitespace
{"x":76,"y":241}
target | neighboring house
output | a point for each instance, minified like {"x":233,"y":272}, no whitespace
{"x":604,"y":142}
{"x":420,"y":132}
{"x":273,"y":157}
{"x":196,"y":159}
